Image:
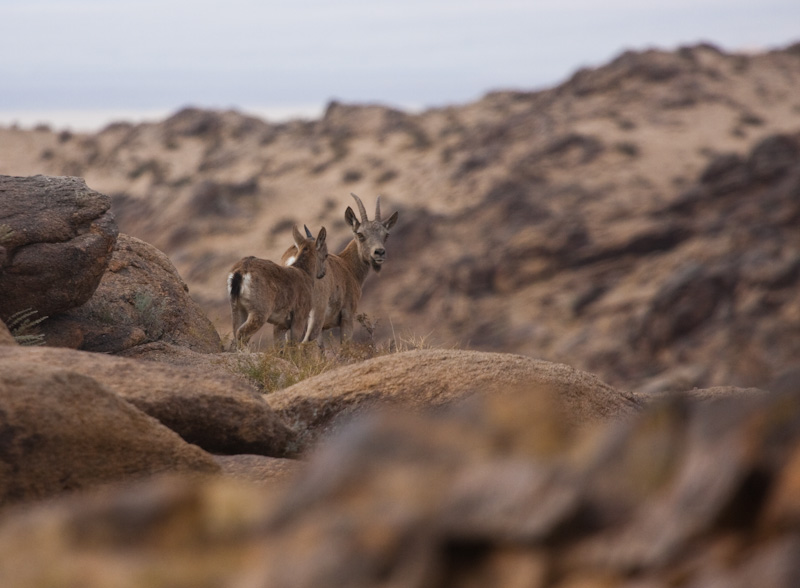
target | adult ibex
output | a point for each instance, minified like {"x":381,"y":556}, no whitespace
{"x":336,"y":296}
{"x":262,"y":291}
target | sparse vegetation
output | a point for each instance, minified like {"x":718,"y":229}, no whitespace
{"x":281,"y":367}
{"x":6,"y":233}
{"x":23,"y":325}
{"x":150,"y":313}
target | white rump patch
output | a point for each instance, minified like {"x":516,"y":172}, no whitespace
{"x":230,"y":281}
{"x":291,"y":260}
{"x":246,"y":286}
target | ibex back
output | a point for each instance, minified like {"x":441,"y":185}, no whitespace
{"x":262,"y":291}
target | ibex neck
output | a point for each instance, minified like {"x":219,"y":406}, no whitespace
{"x":304,"y":263}
{"x":353,"y":260}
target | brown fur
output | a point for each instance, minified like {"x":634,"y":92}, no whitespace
{"x":336,"y":296}
{"x":263,"y":291}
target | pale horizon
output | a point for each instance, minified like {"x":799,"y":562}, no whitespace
{"x":81,"y":64}
{"x":93,"y":120}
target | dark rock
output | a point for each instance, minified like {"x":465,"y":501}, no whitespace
{"x":58,"y":236}
{"x":685,"y":301}
{"x":140,"y":299}
{"x":773,"y":156}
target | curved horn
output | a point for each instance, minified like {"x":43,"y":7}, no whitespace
{"x":308,"y":233}
{"x":378,"y":209}
{"x":361,"y":208}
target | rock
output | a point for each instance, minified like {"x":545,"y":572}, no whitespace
{"x":258,"y":469}
{"x":717,"y":479}
{"x":719,"y":392}
{"x":773,"y":157}
{"x":425,"y":379}
{"x":63,"y":431}
{"x":57,"y":236}
{"x":170,"y":531}
{"x":203,"y":404}
{"x":685,"y":301}
{"x":140,"y":299}
{"x":681,"y":493}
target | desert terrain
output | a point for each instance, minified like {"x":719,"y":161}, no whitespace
{"x":565,"y":224}
{"x":578,"y":367}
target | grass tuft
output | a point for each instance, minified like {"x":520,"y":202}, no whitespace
{"x":283,"y":366}
{"x":22,"y":326}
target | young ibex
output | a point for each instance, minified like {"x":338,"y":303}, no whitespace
{"x":262,"y":291}
{"x":336,"y":296}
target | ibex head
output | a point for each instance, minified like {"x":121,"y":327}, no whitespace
{"x":370,"y":234}
{"x":306,"y":247}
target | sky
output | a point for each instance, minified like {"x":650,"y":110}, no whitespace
{"x":82,"y":63}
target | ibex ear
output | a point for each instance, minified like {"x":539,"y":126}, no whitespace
{"x":299,"y":240}
{"x":321,"y":237}
{"x":350,"y":219}
{"x":389,"y":222}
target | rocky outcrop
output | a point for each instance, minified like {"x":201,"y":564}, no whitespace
{"x":63,"y":431}
{"x":140,"y":299}
{"x":426,"y":379}
{"x":680,"y":494}
{"x":567,"y":223}
{"x":56,"y":238}
{"x":205,"y":405}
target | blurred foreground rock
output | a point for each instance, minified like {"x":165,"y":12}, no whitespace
{"x":496,"y":492}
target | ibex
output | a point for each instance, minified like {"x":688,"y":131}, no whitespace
{"x":262,"y":291}
{"x":336,"y":296}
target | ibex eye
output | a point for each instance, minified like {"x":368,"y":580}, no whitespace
{"x":360,"y":236}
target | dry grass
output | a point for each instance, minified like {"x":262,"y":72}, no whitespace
{"x":23,"y":327}
{"x":283,"y":366}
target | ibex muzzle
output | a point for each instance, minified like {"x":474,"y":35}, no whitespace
{"x":370,"y":235}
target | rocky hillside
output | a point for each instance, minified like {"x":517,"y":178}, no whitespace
{"x":638,"y":221}
{"x":154,"y":460}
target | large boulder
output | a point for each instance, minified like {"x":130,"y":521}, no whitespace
{"x":140,"y":299}
{"x":62,"y":431}
{"x":433,"y":378}
{"x":205,"y":405}
{"x":56,"y":238}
